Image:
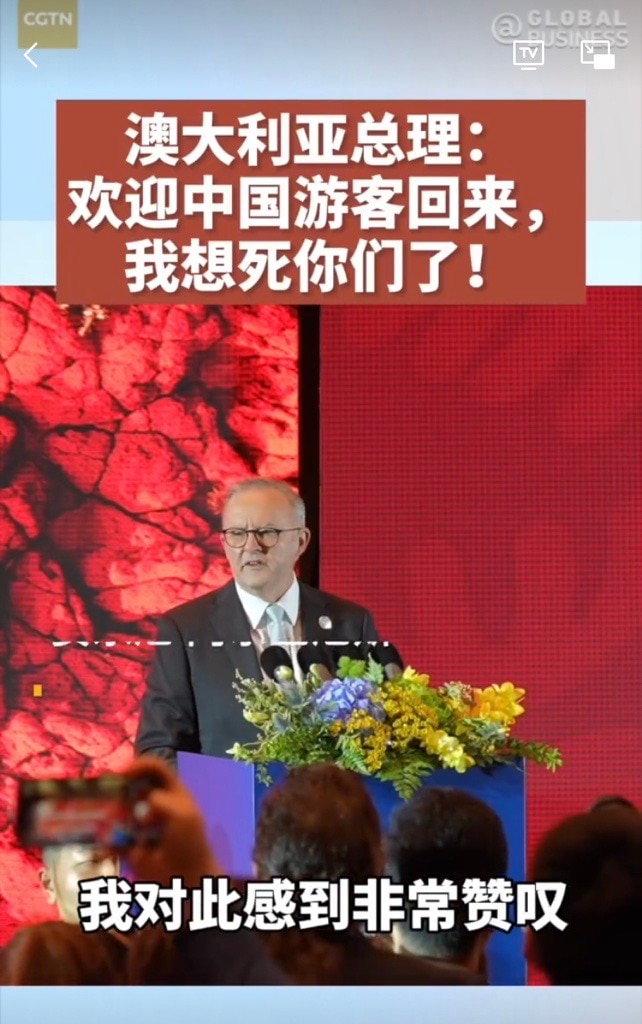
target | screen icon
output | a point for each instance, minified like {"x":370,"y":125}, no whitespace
{"x":597,"y":52}
{"x":27,"y":57}
{"x":528,"y":54}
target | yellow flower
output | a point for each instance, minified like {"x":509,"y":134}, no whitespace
{"x":438,"y":723}
{"x":497,"y":703}
{"x":431,"y":740}
{"x":359,"y":721}
{"x":453,"y":755}
{"x":372,"y":738}
{"x":409,"y":718}
{"x":410,"y":675}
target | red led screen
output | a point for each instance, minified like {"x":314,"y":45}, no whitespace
{"x":482,"y":493}
{"x":119,"y":429}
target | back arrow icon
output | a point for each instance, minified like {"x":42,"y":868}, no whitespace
{"x":27,"y":57}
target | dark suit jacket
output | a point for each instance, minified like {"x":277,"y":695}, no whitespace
{"x":238,"y":958}
{"x":190,"y":704}
{"x":366,"y":964}
{"x":223,"y":958}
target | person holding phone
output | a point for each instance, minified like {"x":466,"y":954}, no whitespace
{"x":209,"y":957}
{"x":167,"y":840}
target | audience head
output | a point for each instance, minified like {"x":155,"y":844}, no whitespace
{"x":263,"y":564}
{"x":445,"y":834}
{"x":319,"y":823}
{"x":59,"y":953}
{"x":598,"y":856}
{"x":612,"y":801}
{"x":66,"y":866}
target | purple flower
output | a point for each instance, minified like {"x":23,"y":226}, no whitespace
{"x":336,"y":699}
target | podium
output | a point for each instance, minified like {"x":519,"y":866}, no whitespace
{"x":229,"y":795}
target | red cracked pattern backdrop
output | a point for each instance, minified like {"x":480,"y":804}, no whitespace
{"x":118,"y":431}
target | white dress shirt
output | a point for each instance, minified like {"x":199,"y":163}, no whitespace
{"x":255,"y":609}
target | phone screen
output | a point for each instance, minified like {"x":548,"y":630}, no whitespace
{"x":88,"y":812}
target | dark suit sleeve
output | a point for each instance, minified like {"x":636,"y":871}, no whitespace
{"x":368,"y":629}
{"x":225,"y":958}
{"x":168,"y":715}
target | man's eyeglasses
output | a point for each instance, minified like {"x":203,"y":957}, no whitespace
{"x":267,"y":536}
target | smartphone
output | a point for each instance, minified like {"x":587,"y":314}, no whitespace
{"x":83,"y":812}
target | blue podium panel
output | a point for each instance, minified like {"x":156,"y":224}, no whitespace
{"x":229,"y":795}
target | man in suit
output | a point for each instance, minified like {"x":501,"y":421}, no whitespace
{"x":319,"y":823}
{"x":597,"y":857}
{"x":445,"y":833}
{"x":190,"y":704}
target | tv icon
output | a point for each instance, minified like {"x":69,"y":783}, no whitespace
{"x":528,"y":54}
{"x":597,"y":52}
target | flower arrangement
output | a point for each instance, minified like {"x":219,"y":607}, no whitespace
{"x":398,"y":730}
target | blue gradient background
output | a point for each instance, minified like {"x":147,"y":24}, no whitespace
{"x":356,"y":1005}
{"x":340,"y":49}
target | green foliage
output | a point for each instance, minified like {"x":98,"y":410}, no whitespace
{"x":299,"y":745}
{"x":350,"y":754}
{"x":375,"y":671}
{"x":408,"y":772}
{"x":540,"y":753}
{"x":350,"y":669}
{"x":451,"y":726}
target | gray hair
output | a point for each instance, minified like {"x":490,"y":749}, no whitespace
{"x":264,"y":484}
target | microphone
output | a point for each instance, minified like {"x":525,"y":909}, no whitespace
{"x":317,"y":660}
{"x":389,"y":658}
{"x":277,"y":664}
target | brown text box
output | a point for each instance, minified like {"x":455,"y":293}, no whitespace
{"x":348,"y":202}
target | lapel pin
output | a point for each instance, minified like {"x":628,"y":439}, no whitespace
{"x":325,"y":622}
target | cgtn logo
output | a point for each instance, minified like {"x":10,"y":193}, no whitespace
{"x":49,"y":24}
{"x":48,"y":19}
{"x":565,"y":28}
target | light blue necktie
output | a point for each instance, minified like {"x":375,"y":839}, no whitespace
{"x":276,"y":625}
